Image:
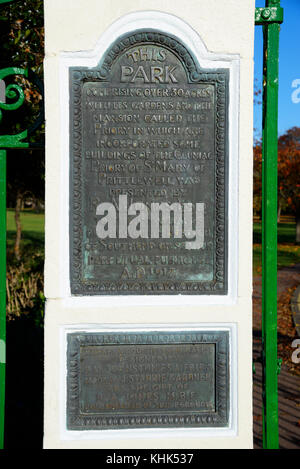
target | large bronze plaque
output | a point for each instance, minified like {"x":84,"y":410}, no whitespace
{"x":157,"y":379}
{"x":148,"y":134}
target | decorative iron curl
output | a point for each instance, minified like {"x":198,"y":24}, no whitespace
{"x":15,"y":92}
{"x":12,"y":91}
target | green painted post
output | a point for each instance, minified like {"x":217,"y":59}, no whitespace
{"x":15,"y":93}
{"x":2,"y":289}
{"x":269,"y":236}
{"x":6,"y":1}
{"x":12,"y":91}
{"x":2,"y":283}
{"x":270,"y":17}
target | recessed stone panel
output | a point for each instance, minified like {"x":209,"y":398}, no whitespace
{"x":153,"y":379}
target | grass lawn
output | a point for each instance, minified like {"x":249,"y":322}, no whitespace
{"x":288,"y":251}
{"x":33,"y":239}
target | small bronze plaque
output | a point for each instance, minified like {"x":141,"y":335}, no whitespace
{"x":148,"y":171}
{"x":157,"y":379}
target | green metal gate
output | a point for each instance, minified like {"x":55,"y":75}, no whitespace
{"x":269,"y":18}
{"x":14,"y":93}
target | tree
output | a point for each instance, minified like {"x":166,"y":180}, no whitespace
{"x":22,"y":36}
{"x":288,"y":176}
{"x":25,"y":180}
{"x":257,"y":181}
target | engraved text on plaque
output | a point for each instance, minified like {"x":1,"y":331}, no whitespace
{"x":147,"y":379}
{"x":148,"y":187}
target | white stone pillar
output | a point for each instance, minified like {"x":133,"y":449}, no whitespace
{"x":219,"y":35}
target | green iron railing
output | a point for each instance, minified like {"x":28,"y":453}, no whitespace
{"x":270,"y":18}
{"x":14,"y":93}
{"x":6,"y":1}
{"x":2,"y":281}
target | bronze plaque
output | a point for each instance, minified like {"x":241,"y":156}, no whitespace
{"x":148,"y":156}
{"x":147,"y":380}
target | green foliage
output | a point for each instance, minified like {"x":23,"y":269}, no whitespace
{"x":288,"y":173}
{"x":24,"y":38}
{"x":22,"y":45}
{"x":24,"y":292}
{"x":36,"y":313}
{"x":25,"y":282}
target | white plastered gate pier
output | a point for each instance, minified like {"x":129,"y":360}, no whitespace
{"x":78,"y":33}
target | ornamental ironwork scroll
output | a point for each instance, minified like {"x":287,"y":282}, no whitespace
{"x":14,"y":93}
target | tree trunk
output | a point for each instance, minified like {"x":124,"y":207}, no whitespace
{"x":279,"y":213}
{"x":18,"y":226}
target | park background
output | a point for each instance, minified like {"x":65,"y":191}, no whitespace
{"x":22,"y":45}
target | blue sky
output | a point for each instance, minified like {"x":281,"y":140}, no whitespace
{"x":289,"y":67}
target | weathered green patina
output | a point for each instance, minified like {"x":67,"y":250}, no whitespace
{"x":152,"y":169}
